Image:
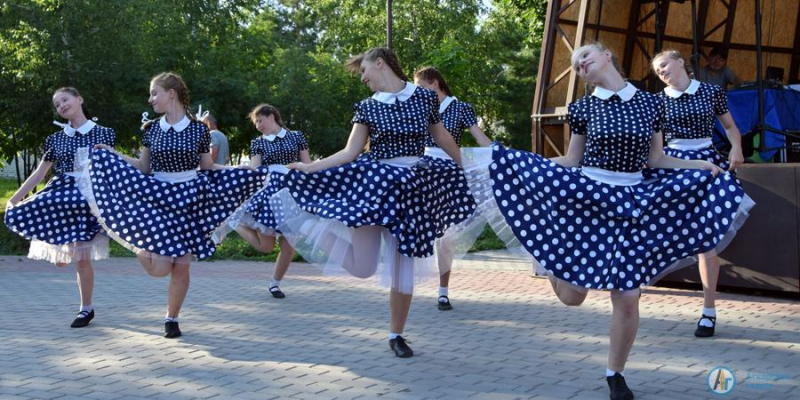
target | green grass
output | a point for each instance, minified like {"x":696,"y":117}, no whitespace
{"x":233,"y":248}
{"x":10,"y":242}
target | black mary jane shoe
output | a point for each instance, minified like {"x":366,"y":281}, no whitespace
{"x":276,"y":292}
{"x":619,"y":389}
{"x":444,"y":303}
{"x":171,"y":330}
{"x":82,"y":319}
{"x":400,"y":348}
{"x":705,"y":331}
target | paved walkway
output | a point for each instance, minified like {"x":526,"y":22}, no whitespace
{"x":507,"y":338}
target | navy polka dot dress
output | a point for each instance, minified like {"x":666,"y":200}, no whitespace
{"x":457,"y":116}
{"x":276,"y":151}
{"x":690,"y":115}
{"x":596,"y":227}
{"x":175,"y":211}
{"x":58,"y":218}
{"x":416,"y":200}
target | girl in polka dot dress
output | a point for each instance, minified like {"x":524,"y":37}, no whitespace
{"x":690,"y":108}
{"x":591,"y":220}
{"x":270,"y":152}
{"x":456,"y":116}
{"x":167,"y":217}
{"x":57,"y":219}
{"x":379,"y":213}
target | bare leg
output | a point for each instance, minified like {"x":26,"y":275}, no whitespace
{"x":709,"y":274}
{"x":445,"y":250}
{"x":178,"y":286}
{"x":285,"y":257}
{"x":568,"y":294}
{"x":624,"y":325}
{"x":399,"y":304}
{"x":259,"y":241}
{"x":85,"y":281}
{"x":361,"y":259}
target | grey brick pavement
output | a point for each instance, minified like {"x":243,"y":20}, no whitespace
{"x":507,"y":338}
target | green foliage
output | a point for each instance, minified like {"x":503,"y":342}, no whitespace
{"x":235,"y":54}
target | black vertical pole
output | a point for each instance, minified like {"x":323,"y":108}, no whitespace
{"x":762,"y":144}
{"x":389,"y":23}
{"x":695,"y":47}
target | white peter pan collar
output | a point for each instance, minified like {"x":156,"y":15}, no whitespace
{"x":446,"y":102}
{"x":625,"y":94}
{"x":675,"y":93}
{"x":83,"y":129}
{"x":272,"y":137}
{"x":178,"y":127}
{"x":392,"y":98}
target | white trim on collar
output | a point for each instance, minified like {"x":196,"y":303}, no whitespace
{"x":83,"y":129}
{"x":178,"y":127}
{"x":446,"y":102}
{"x":271,"y":138}
{"x":625,"y":94}
{"x":675,"y":93}
{"x":392,"y":98}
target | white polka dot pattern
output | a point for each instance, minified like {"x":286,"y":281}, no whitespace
{"x":400,"y":129}
{"x":617,"y":132}
{"x":457,"y":117}
{"x":60,"y":148}
{"x":59,"y":214}
{"x":169,"y":219}
{"x":285,"y":150}
{"x":173,"y":151}
{"x":691,"y":116}
{"x":603,"y":236}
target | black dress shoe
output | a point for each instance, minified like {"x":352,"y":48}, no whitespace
{"x":705,"y":331}
{"x":276,"y":292}
{"x":171,"y":330}
{"x":619,"y":389}
{"x":444,"y":303}
{"x":82,"y":319}
{"x":400,"y":348}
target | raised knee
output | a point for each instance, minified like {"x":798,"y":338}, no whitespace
{"x":62,"y":265}
{"x":572,"y":300}
{"x":158,"y":271}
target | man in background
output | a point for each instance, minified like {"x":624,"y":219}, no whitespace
{"x":219,"y":143}
{"x":717,"y":71}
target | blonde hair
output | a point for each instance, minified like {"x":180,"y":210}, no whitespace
{"x":173,"y":81}
{"x":599,"y":47}
{"x":675,"y":55}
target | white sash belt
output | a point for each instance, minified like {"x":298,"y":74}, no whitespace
{"x":175,"y":177}
{"x":437,"y":152}
{"x":613,"y":177}
{"x":279,"y":168}
{"x":689,"y":144}
{"x":403,"y":162}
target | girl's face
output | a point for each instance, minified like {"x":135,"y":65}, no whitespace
{"x":590,"y":62}
{"x":160,"y":98}
{"x":371,"y":74}
{"x":265,"y":125}
{"x":67,"y":105}
{"x":669,"y":69}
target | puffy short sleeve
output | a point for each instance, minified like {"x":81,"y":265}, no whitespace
{"x":719,"y":101}
{"x":468,"y":116}
{"x":302,"y":143}
{"x":577,"y":118}
{"x":49,"y":153}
